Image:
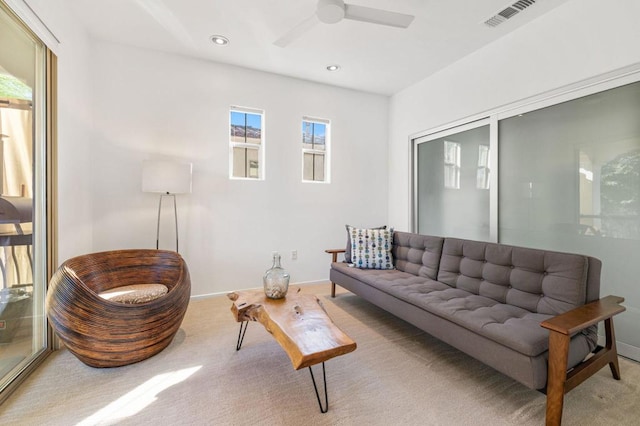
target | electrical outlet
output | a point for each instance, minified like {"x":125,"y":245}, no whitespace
{"x":294,"y":254}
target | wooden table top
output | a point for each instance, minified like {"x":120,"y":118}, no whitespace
{"x":298,"y":322}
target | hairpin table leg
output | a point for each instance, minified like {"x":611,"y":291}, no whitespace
{"x":315,"y":387}
{"x":241,"y":334}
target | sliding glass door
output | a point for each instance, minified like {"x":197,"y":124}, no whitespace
{"x":25,"y":209}
{"x":570,"y":181}
{"x":452,"y":182}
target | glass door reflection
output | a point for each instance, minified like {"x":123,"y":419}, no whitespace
{"x":22,"y":94}
{"x":452,"y":174}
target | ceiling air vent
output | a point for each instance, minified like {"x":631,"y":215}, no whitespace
{"x":508,"y":12}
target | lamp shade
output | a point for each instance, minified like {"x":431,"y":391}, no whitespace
{"x":167,"y":177}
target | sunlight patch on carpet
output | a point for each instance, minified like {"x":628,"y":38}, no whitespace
{"x":135,"y":401}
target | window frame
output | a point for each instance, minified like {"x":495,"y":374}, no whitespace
{"x":259,"y":147}
{"x":326,"y":152}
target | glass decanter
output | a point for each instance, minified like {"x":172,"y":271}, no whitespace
{"x":276,"y":280}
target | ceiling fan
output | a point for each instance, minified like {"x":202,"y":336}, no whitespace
{"x":334,"y":11}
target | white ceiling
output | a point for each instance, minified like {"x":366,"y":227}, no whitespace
{"x":373,"y":58}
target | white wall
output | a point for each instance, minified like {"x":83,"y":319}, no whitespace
{"x":149,"y":104}
{"x":575,"y":41}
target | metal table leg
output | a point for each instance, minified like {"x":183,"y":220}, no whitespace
{"x":315,"y":387}
{"x":241,"y":334}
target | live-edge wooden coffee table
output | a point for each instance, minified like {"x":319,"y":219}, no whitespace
{"x":299,"y":324}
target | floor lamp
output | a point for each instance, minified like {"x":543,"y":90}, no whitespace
{"x":167,"y":178}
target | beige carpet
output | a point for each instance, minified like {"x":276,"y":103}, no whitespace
{"x":398,"y":375}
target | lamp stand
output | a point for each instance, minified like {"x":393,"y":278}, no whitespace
{"x":175,"y":214}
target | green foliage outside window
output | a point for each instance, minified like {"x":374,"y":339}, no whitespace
{"x":12,"y":88}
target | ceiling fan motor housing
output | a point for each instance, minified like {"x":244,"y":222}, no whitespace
{"x":330,"y":11}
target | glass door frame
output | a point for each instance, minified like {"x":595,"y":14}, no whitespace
{"x":45,"y":207}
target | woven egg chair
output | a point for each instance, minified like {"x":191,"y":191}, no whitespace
{"x":105,"y":333}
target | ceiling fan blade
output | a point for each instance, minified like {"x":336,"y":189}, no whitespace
{"x":377,"y":16}
{"x":297,"y":31}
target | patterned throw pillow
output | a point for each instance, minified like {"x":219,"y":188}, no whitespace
{"x":347,"y":252}
{"x":371,"y":248}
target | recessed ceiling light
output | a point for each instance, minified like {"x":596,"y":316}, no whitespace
{"x":219,"y":40}
{"x":333,"y":67}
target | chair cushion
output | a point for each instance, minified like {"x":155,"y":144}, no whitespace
{"x":134,"y":294}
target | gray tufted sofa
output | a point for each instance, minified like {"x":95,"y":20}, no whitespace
{"x":530,"y":314}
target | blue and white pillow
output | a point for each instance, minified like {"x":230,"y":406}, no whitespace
{"x":371,"y":248}
{"x":347,"y":251}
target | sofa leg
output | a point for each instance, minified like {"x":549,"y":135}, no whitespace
{"x":334,"y":259}
{"x":558,"y":354}
{"x":611,"y":347}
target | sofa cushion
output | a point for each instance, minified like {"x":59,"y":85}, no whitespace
{"x":535,"y":280}
{"x":371,"y":248}
{"x":511,"y":326}
{"x":417,"y":254}
{"x":514,"y":327}
{"x":373,"y":277}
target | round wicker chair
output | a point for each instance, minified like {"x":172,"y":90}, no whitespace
{"x":104,"y":333}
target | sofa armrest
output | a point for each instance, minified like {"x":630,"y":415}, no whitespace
{"x":561,"y":328}
{"x":586,"y":315}
{"x":334,"y":258}
{"x":334,"y":253}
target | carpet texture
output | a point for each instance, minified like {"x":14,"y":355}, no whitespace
{"x":397,"y":375}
